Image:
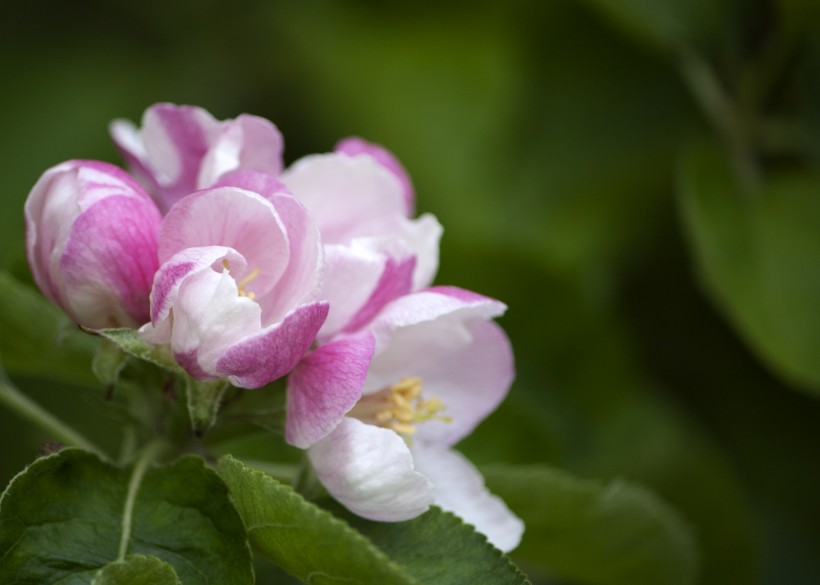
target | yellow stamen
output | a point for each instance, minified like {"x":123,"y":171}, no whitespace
{"x":242,"y":283}
{"x":400,"y":407}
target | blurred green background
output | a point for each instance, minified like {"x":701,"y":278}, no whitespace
{"x":637,"y":180}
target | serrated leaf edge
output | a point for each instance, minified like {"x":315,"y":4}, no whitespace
{"x":316,"y":511}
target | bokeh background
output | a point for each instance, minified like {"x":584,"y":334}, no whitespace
{"x":635,"y":179}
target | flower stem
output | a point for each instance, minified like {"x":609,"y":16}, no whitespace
{"x":723,"y":114}
{"x":148,"y":455}
{"x":33,"y":412}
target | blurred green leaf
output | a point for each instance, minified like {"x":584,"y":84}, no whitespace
{"x":63,"y":519}
{"x":759,"y":258}
{"x":36,"y":338}
{"x":301,"y":538}
{"x":668,"y":23}
{"x":137,"y":570}
{"x":515,"y":148}
{"x":594,"y":533}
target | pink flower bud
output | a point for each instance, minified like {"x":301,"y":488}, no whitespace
{"x":91,"y":242}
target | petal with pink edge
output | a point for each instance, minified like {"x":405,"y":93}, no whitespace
{"x":396,"y":280}
{"x":249,"y":143}
{"x":347,"y":197}
{"x":370,"y":471}
{"x":360,"y":278}
{"x":324,"y":386}
{"x":109,"y":262}
{"x":232,"y":217}
{"x":355,"y":146}
{"x":452,"y":305}
{"x":61,"y":194}
{"x":460,"y":489}
{"x":175,"y":139}
{"x":173,"y":273}
{"x":272,"y":353}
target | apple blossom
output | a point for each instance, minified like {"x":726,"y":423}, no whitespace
{"x":180,"y":149}
{"x":440,"y":366}
{"x":91,"y":242}
{"x":235,"y":295}
{"x":360,"y":197}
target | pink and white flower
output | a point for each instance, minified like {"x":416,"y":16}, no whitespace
{"x":440,"y":366}
{"x":361,"y":198}
{"x":235,"y":296}
{"x":91,"y":242}
{"x":181,"y":149}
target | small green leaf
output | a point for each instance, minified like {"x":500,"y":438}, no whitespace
{"x":303,"y":539}
{"x":594,"y":533}
{"x":137,"y":570}
{"x":66,"y":517}
{"x":108,"y":362}
{"x":438,"y":547}
{"x":759,"y":258}
{"x":36,"y":338}
{"x":130,"y":341}
{"x":204,"y":399}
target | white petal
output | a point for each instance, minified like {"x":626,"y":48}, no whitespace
{"x":348,"y":197}
{"x":370,"y":471}
{"x":460,"y":489}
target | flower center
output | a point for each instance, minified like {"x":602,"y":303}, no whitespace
{"x":244,"y":282}
{"x":399,"y":407}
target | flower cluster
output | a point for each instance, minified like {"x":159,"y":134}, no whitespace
{"x":250,"y":271}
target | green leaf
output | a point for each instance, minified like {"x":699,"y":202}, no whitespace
{"x":36,"y":338}
{"x":759,"y":258}
{"x":438,"y":547}
{"x":108,"y":362}
{"x":317,"y":547}
{"x":204,"y":399}
{"x":137,"y":570}
{"x":130,"y":341}
{"x":595,"y":533}
{"x":668,"y":23}
{"x":69,"y":515}
{"x":303,"y":539}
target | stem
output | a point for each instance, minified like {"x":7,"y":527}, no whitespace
{"x":722,"y":113}
{"x":148,"y":455}
{"x":30,"y":410}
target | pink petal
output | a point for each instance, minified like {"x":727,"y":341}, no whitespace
{"x":235,"y":218}
{"x":360,"y":278}
{"x":60,"y":196}
{"x":460,"y":489}
{"x":396,"y":280}
{"x":272,"y":353}
{"x":266,"y":185}
{"x":247,"y":143}
{"x":355,"y":146}
{"x":300,"y":280}
{"x":347,"y":197}
{"x":370,"y":471}
{"x":209,"y":316}
{"x":109,"y":262}
{"x":324,"y":386}
{"x":173,"y":272}
{"x":455,"y":304}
